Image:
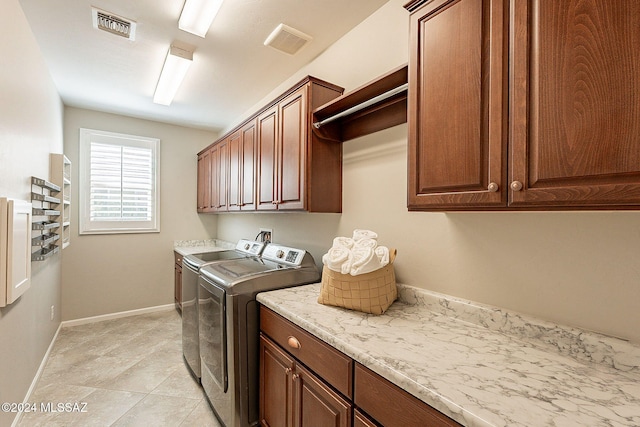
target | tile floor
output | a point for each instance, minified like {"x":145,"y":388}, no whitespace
{"x":128,"y":371}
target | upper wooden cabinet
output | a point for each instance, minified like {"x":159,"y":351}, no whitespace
{"x":457,"y":104}
{"x":247,"y":168}
{"x":267,"y":158}
{"x":575,"y":103}
{"x":282,"y":152}
{"x":523,"y":104}
{"x":275,"y":161}
{"x":220,"y":175}
{"x":235,"y":170}
{"x":204,"y":181}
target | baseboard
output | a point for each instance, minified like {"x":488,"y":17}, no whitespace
{"x":118,"y":315}
{"x":32,"y":387}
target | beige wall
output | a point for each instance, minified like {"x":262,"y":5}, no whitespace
{"x":576,"y":268}
{"x":31,"y":117}
{"x":105,"y":274}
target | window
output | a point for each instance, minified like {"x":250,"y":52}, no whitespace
{"x":119,"y":183}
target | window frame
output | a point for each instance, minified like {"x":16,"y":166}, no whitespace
{"x":85,"y":225}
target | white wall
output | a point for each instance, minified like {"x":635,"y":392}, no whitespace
{"x":576,"y":268}
{"x":111,"y":273}
{"x":31,"y":115}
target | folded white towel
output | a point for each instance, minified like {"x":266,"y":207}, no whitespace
{"x":347,"y":242}
{"x":346,"y":266}
{"x":364,"y":234}
{"x":338,"y":259}
{"x":367,"y":243}
{"x":364,"y":260}
{"x":383,"y":255}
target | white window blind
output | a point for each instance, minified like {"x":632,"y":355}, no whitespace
{"x":119,"y":183}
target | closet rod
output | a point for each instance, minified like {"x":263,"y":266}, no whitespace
{"x":362,"y":105}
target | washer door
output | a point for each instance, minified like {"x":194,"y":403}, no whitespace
{"x":190,"y":339}
{"x":212,"y":335}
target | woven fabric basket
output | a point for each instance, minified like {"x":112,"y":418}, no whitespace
{"x":371,"y":293}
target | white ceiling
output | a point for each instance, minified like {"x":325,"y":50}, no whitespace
{"x":232,"y":70}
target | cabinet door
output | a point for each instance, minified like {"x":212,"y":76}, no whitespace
{"x":575,"y":104}
{"x":456,"y":105}
{"x":204,"y":182}
{"x":276,"y":391}
{"x":361,"y":420}
{"x":317,"y":405}
{"x":267,"y":160}
{"x":214,"y":167}
{"x":177,"y":286}
{"x":292,"y":151}
{"x":248,"y":173}
{"x":222,"y":160}
{"x":235,"y":168}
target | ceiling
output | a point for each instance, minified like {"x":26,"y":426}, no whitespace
{"x":232,"y":70}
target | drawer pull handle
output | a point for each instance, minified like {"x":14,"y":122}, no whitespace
{"x":293,"y":342}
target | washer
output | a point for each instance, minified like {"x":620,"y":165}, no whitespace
{"x":191,"y":265}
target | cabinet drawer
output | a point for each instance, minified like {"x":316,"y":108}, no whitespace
{"x":177,"y":257}
{"x":391,"y":406}
{"x":324,"y":360}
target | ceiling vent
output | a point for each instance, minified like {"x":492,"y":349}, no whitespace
{"x":113,"y":24}
{"x":287,"y":39}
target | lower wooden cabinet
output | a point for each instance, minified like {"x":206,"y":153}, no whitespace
{"x":292,"y":396}
{"x":276,"y":385}
{"x":177,"y":283}
{"x":304,"y":382}
{"x":391,"y":406}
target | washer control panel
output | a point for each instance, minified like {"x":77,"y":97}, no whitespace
{"x":250,"y":247}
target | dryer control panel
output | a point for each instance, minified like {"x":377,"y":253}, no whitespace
{"x":283,"y":254}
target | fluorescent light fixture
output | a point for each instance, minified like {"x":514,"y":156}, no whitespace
{"x":197,"y":16}
{"x":173,"y":71}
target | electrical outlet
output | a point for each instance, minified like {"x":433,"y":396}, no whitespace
{"x":266,"y":235}
{"x":53,"y":312}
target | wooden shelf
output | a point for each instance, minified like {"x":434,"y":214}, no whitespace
{"x":377,"y":105}
{"x":61,"y":176}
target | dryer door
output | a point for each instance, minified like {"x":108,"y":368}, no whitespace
{"x":212,"y":336}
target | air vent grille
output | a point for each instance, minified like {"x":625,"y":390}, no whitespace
{"x":287,"y":39}
{"x":114,"y":24}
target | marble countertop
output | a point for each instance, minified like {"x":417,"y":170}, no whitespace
{"x":480,"y":365}
{"x":188,"y":247}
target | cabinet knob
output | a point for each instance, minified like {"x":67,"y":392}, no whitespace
{"x":295,"y":376}
{"x":288,"y":371}
{"x":275,"y":202}
{"x":293,"y":342}
{"x":492,"y":187}
{"x":516,"y":186}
